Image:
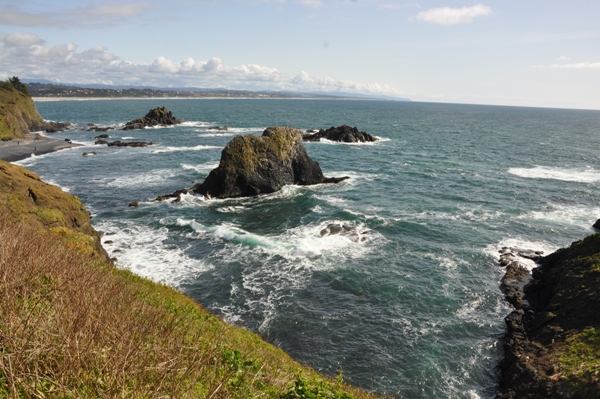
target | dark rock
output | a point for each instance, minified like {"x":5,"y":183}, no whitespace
{"x":343,"y":230}
{"x":160,"y":116}
{"x":100,"y":142}
{"x":342,"y":133}
{"x":119,"y":143}
{"x":252,"y":165}
{"x":597,"y":225}
{"x":89,"y":153}
{"x":561,"y":301}
{"x":108,"y":242}
{"x":68,"y":140}
{"x":102,"y":136}
{"x":218,"y":128}
{"x":134,"y":203}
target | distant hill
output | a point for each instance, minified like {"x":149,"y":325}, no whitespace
{"x":47,"y":89}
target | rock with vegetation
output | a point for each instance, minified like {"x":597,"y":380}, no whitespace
{"x":344,"y":133}
{"x":35,"y":203}
{"x":75,"y":326}
{"x":252,"y":165}
{"x":160,"y":116}
{"x":553,"y":344}
{"x":18,"y":114}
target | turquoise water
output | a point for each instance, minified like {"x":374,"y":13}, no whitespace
{"x":416,"y":310}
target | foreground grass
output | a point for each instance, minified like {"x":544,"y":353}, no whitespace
{"x":73,"y":326}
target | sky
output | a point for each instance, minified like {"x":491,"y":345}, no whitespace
{"x":541,"y":53}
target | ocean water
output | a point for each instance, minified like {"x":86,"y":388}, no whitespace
{"x":416,"y":310}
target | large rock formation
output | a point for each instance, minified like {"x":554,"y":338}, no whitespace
{"x":160,"y":116}
{"x":553,"y":344}
{"x":344,"y":133}
{"x":252,"y":165}
{"x":19,"y":116}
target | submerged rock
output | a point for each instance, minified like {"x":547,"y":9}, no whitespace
{"x":218,"y":128}
{"x":344,"y":133}
{"x":160,"y":116}
{"x":350,"y":232}
{"x":252,"y":165}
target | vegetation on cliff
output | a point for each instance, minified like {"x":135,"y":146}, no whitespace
{"x":18,"y":114}
{"x":72,"y":325}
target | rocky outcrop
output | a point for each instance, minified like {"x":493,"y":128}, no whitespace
{"x":344,"y":133}
{"x":553,"y":335}
{"x":160,"y":116}
{"x":597,"y":225}
{"x":19,"y":115}
{"x":119,"y":143}
{"x":33,"y":202}
{"x":252,"y":165}
{"x":344,"y":230}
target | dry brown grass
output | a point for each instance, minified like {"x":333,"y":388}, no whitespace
{"x":72,"y":326}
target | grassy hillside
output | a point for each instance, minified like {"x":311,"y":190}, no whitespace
{"x":73,"y":326}
{"x":18,"y":114}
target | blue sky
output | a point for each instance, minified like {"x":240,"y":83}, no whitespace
{"x":528,"y":52}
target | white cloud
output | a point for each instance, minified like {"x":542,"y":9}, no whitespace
{"x":580,"y":65}
{"x":101,"y":15}
{"x":453,"y":16}
{"x":28,"y":57}
{"x":21,"y":39}
{"x":563,"y":58}
{"x":312,"y":3}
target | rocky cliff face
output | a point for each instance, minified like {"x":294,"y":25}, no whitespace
{"x":29,"y":200}
{"x":553,"y":345}
{"x":18,"y":114}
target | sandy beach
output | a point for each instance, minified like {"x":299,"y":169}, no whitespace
{"x":18,"y":149}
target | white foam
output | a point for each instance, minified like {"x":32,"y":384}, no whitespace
{"x":202,"y":168}
{"x":145,"y":253}
{"x":582,"y":216}
{"x":331,"y":142}
{"x":517,"y":242}
{"x":148,"y":179}
{"x":127,"y":138}
{"x":177,"y":149}
{"x":216,"y":135}
{"x":195,"y":124}
{"x":588,"y":175}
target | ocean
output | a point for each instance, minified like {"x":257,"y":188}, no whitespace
{"x":416,"y":310}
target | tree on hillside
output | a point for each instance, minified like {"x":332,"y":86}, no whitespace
{"x":17,"y":84}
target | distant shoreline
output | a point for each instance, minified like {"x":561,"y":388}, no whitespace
{"x":46,"y":99}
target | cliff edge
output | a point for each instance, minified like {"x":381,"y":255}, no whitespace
{"x":553,"y":345}
{"x":18,"y":114}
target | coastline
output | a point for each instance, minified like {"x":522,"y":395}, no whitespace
{"x":19,"y":149}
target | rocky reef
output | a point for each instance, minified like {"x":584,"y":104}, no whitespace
{"x":160,"y":116}
{"x":252,"y":165}
{"x":119,"y":143}
{"x":344,"y":133}
{"x":553,"y":339}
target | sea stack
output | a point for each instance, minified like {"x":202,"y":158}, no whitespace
{"x":343,"y":134}
{"x":252,"y":165}
{"x":160,"y":116}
